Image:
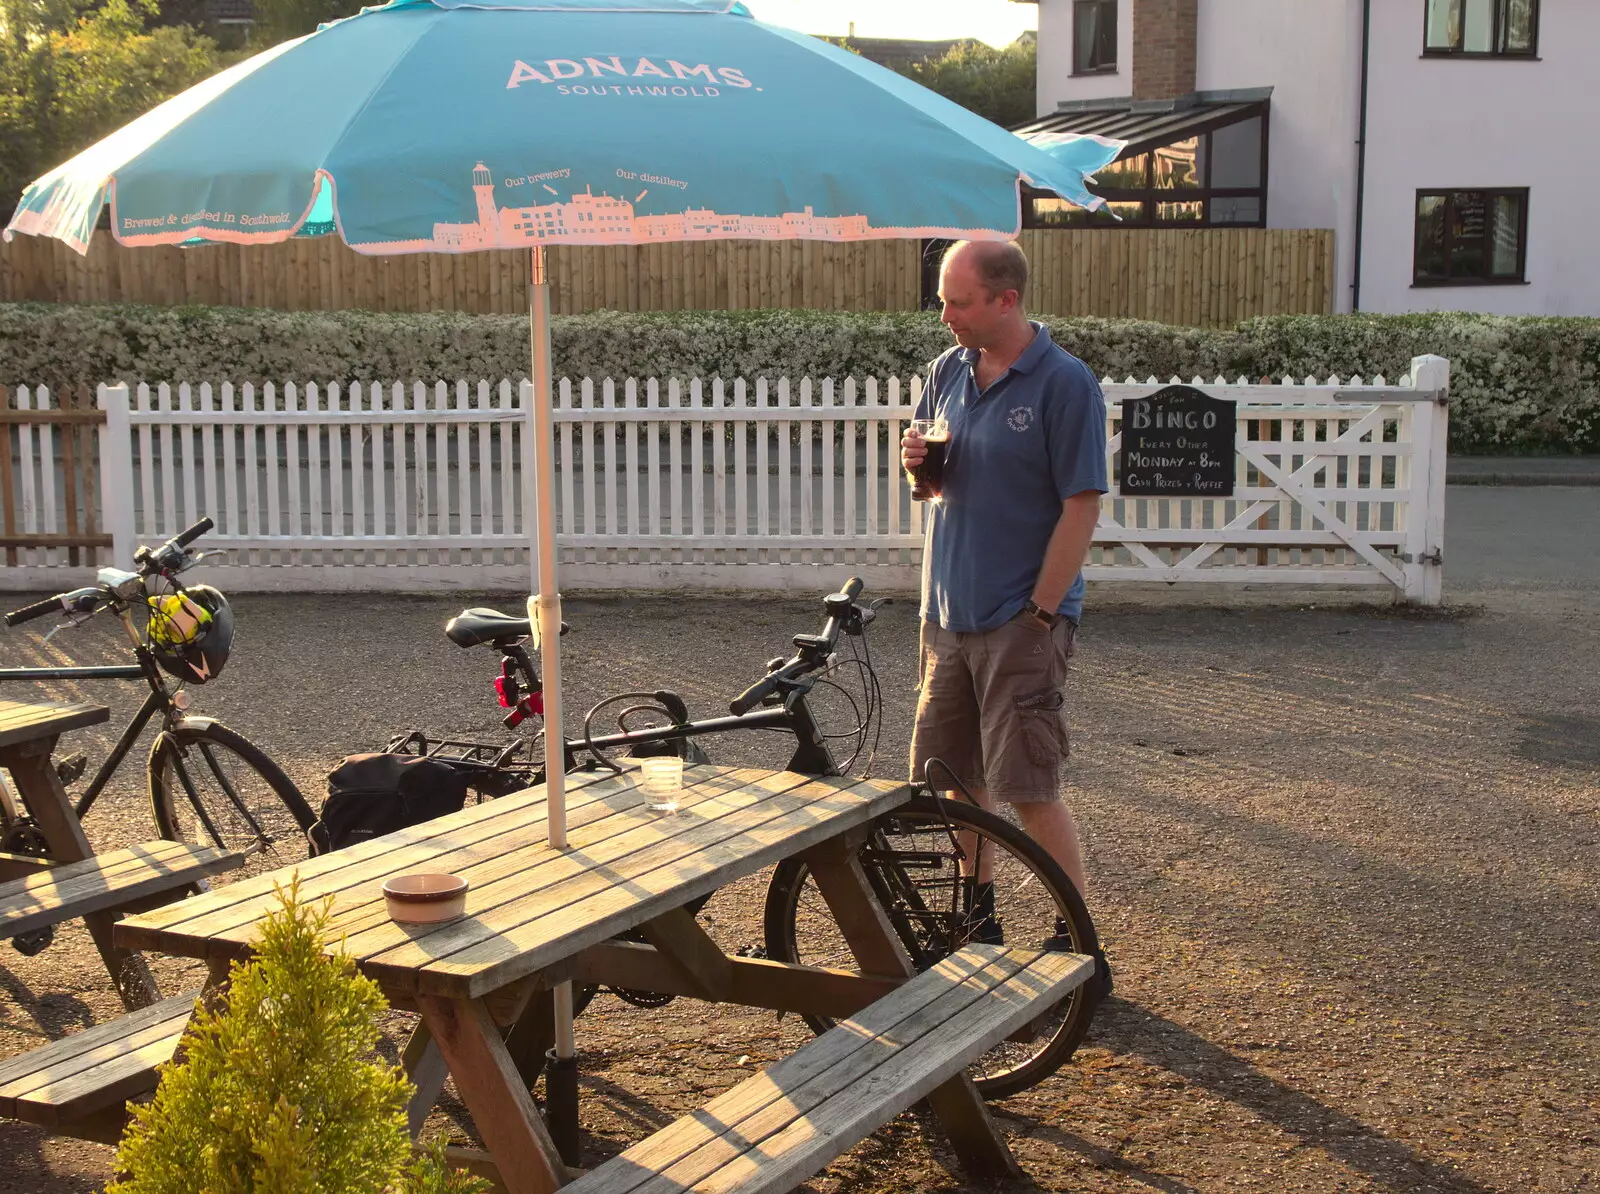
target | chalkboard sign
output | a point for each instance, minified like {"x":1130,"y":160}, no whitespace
{"x":1177,"y":443}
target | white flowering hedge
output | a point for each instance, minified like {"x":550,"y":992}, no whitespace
{"x":1519,"y":384}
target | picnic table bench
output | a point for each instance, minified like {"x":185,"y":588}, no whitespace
{"x":79,"y":1085}
{"x":130,"y":879}
{"x":537,"y":916}
{"x":75,"y":882}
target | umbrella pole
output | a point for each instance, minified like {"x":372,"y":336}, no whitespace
{"x":544,"y":610}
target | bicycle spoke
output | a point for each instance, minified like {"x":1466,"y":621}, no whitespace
{"x":196,"y":803}
{"x":233,"y":796}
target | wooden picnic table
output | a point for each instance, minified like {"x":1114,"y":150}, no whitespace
{"x":28,"y":734}
{"x":535,"y":916}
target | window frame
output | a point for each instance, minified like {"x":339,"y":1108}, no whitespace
{"x":1149,"y":196}
{"x":1496,"y":19}
{"x":1485,"y":279}
{"x":1079,"y":71}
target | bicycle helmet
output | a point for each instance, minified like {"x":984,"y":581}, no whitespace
{"x":191,"y":633}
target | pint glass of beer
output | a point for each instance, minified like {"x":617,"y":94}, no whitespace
{"x":929,"y":475}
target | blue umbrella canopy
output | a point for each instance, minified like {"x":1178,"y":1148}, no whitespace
{"x":451,"y":126}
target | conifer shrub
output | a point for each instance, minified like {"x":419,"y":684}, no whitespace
{"x":279,"y":1091}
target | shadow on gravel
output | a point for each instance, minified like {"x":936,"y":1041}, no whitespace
{"x":1562,"y":741}
{"x":23,"y":1147}
{"x":52,"y":1014}
{"x":1195,"y":1059}
{"x":1102,"y":1158}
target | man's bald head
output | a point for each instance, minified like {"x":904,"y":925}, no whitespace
{"x":1000,"y":265}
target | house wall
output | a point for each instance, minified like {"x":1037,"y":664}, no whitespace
{"x":1055,"y":81}
{"x":1456,"y":123}
{"x":1315,"y":115}
{"x":1432,"y":123}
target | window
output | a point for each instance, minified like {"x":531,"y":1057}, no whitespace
{"x":1216,"y":177}
{"x":1495,"y":28}
{"x":1094,"y":37}
{"x":1470,"y":238}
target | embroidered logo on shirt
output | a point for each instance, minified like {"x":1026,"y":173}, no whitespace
{"x":1020,"y":418}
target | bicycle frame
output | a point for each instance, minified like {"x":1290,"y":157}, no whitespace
{"x":811,"y":755}
{"x":159,"y":701}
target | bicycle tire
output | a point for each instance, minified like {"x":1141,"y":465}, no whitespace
{"x":197,"y":772}
{"x":1015,"y":1064}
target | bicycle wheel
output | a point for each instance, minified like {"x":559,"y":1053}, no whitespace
{"x":211,"y":786}
{"x":913,"y":861}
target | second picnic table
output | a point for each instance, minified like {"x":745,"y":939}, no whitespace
{"x":535,"y":916}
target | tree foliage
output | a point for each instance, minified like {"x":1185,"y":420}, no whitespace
{"x":73,"y":71}
{"x":996,"y":84}
{"x":280,"y":1092}
{"x":279,"y":20}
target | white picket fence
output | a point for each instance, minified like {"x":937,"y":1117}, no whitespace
{"x":763,"y":485}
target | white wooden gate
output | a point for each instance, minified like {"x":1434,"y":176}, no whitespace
{"x":713,"y":484}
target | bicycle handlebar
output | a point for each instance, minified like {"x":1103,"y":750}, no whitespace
{"x":39,"y":609}
{"x":755,"y":694}
{"x":184,"y":538}
{"x":814,"y":651}
{"x":168,"y":557}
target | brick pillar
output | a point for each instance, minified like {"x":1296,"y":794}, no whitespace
{"x":1164,"y":37}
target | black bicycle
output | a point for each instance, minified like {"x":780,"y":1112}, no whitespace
{"x":208,"y":784}
{"x":947,"y":871}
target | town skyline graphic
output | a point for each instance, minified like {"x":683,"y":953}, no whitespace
{"x":606,"y":219}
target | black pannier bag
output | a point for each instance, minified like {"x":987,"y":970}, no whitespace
{"x":373,"y":794}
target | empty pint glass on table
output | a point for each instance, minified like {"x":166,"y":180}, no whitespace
{"x":928,"y":477}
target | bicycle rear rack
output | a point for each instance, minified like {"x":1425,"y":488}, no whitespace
{"x":491,"y":768}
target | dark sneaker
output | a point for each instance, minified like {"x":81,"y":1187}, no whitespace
{"x":1100,"y":984}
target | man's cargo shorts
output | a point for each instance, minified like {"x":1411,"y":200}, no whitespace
{"x":992,"y":708}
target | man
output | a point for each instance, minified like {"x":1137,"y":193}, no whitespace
{"x":1002,"y":586}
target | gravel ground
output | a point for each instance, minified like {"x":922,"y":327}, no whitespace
{"x":1343,"y":859}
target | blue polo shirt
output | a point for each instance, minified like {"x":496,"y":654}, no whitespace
{"x":1034,"y":438}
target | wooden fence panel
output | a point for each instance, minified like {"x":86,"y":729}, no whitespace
{"x":1210,"y":277}
{"x":1207,"y":277}
{"x":322,"y":274}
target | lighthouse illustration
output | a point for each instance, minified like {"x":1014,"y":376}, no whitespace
{"x":483,"y":188}
{"x":604,"y":219}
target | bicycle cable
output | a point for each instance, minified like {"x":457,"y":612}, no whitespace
{"x":929,"y":764}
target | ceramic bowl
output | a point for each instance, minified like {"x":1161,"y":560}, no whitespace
{"x":425,"y":898}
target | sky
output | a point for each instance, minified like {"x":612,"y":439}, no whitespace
{"x":997,"y":22}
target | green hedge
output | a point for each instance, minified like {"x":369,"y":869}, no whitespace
{"x":1520,"y":385}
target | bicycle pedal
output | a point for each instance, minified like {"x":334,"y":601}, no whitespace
{"x":751,"y":951}
{"x":70,"y":768}
{"x":34,"y":941}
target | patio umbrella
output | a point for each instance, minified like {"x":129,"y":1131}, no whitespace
{"x":452,"y":126}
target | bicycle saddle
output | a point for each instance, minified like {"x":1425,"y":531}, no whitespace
{"x":473,"y":626}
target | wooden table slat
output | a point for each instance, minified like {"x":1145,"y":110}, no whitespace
{"x":805,"y":1109}
{"x":511,"y":838}
{"x":46,"y":1084}
{"x":689,"y":1150}
{"x":110,"y":864}
{"x":24,"y":721}
{"x":106,"y":881}
{"x":92,"y":1038}
{"x":548,"y":883}
{"x":518,"y":866}
{"x":176,"y":929}
{"x":594,"y":907}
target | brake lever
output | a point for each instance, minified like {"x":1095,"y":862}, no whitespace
{"x":68,"y":624}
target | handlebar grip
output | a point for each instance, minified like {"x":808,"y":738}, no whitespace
{"x":852,"y":587}
{"x":185,"y":538}
{"x":753,"y":696}
{"x":39,"y":609}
